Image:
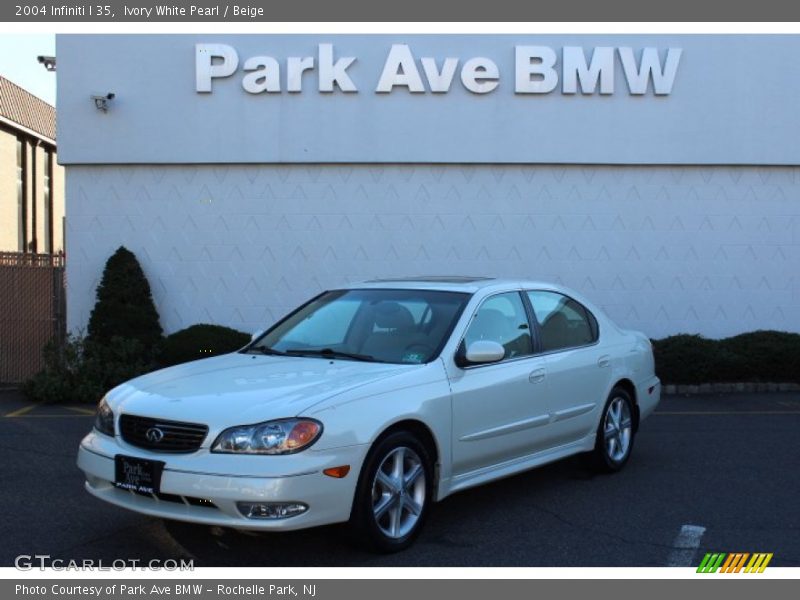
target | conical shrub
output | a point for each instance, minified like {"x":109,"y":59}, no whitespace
{"x":124,"y":305}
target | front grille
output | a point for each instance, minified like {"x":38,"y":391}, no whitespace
{"x":176,"y":436}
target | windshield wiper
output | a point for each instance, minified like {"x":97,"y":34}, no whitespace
{"x":331,"y":353}
{"x":266,"y":350}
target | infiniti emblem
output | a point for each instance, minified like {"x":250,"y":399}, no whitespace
{"x":154,"y":435}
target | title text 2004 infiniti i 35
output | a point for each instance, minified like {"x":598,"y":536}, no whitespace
{"x":369,"y":403}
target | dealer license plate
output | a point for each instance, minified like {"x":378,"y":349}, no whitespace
{"x":138,"y":474}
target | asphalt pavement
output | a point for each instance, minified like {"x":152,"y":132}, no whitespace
{"x":726,"y":467}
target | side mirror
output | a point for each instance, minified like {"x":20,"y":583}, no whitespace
{"x":484,"y":351}
{"x":256,"y":334}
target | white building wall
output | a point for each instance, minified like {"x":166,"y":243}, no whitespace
{"x":708,"y":250}
{"x":732,"y":102}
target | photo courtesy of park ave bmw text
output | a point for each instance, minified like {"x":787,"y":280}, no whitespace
{"x":657,"y":174}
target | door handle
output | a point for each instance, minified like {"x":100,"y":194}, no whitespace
{"x":604,"y":361}
{"x":537,"y":375}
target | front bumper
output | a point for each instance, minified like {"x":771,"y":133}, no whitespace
{"x":198,"y":489}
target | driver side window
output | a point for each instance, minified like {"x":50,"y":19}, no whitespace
{"x":502,"y":319}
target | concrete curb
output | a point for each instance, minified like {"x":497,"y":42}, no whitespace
{"x":728,"y":388}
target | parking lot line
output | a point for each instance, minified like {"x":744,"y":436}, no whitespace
{"x":20,"y":411}
{"x":685,"y":546}
{"x":83,"y":411}
{"x":36,"y":410}
{"x":25,"y":416}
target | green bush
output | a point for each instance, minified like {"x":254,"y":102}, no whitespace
{"x":82,"y":370}
{"x":108,"y":365}
{"x":124,"y":306}
{"x":123,"y":341}
{"x":767,"y":356}
{"x":759,"y":356}
{"x":63,"y":365}
{"x":200,"y":341}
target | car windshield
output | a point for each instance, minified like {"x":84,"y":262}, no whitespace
{"x":375,"y":325}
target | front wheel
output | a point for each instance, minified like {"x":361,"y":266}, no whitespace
{"x":615,"y":434}
{"x":393,"y":494}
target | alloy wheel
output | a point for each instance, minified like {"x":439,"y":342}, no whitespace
{"x":398,"y":492}
{"x":617,"y":429}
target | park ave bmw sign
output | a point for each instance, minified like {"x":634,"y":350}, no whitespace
{"x":538,"y":70}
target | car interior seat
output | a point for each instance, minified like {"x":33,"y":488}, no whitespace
{"x":393,"y":329}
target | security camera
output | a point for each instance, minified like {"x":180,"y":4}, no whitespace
{"x":101,"y":101}
{"x":49,"y":62}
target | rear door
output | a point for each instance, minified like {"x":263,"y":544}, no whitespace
{"x":578,"y":368}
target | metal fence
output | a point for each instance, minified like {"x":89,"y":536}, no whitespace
{"x":32,"y":311}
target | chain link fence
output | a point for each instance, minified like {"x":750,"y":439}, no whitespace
{"x":32,"y":311}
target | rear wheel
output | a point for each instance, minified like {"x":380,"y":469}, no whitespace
{"x":615,"y":434}
{"x":393,"y":494}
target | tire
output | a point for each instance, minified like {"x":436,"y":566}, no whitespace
{"x":388,"y":517}
{"x":615,"y":433}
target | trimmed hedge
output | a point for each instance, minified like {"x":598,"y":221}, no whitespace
{"x":124,"y":337}
{"x":124,"y":307}
{"x":83,"y":371}
{"x":200,"y":341}
{"x":758,"y":356}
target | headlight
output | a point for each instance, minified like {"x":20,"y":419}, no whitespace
{"x":104,"y":420}
{"x":284,"y":436}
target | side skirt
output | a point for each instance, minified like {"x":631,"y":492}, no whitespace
{"x":514,"y":466}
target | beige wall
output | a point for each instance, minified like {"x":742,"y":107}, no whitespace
{"x":59,"y":207}
{"x":41,"y":225}
{"x":27,"y":157}
{"x":9,"y":238}
{"x":8,"y":192}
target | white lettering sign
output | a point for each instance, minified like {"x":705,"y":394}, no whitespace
{"x":650,"y":66}
{"x":536,"y":73}
{"x":332,"y":73}
{"x":537,"y":70}
{"x":479,"y":75}
{"x":206,"y":69}
{"x":400,"y":70}
{"x":296,"y":66}
{"x":601,"y":68}
{"x":439,"y":81}
{"x":264,"y":75}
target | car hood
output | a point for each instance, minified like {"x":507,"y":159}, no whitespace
{"x":237,"y":389}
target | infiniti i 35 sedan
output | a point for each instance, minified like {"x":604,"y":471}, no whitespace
{"x":368,"y":403}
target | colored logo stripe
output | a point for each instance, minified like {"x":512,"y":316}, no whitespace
{"x":734,"y":562}
{"x":710,"y":563}
{"x":758,"y":563}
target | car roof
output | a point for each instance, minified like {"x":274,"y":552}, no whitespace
{"x":454,"y":283}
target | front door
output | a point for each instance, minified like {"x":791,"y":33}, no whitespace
{"x":499,"y":409}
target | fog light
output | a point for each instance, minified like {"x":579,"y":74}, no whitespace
{"x":271,"y":510}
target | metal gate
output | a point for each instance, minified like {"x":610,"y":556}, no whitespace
{"x":32,"y":311}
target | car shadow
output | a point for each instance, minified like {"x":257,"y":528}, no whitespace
{"x":466,"y":519}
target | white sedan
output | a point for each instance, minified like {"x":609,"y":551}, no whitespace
{"x":368,"y":403}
